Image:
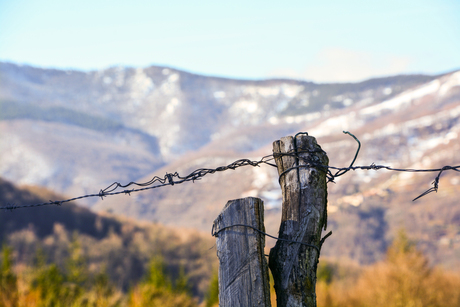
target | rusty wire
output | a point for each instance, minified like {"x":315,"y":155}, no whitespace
{"x":175,"y":178}
{"x":342,"y":170}
{"x":155,"y":182}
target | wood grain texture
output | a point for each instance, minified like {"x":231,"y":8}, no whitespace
{"x":303,"y":216}
{"x":243,"y":269}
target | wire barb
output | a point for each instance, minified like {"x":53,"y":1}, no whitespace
{"x":344,"y":170}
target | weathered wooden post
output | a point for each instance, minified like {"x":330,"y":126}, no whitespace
{"x":243,"y":269}
{"x":304,"y":215}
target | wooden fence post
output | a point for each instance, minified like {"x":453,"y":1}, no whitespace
{"x":243,"y":269}
{"x":304,"y":190}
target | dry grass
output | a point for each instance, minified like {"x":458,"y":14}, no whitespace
{"x":404,"y":279}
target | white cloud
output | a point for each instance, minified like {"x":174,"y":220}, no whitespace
{"x":342,"y":65}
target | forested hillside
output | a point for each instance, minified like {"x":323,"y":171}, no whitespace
{"x":58,"y":245}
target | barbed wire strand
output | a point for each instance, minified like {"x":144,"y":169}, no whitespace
{"x":169,"y":178}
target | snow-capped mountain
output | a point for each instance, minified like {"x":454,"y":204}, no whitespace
{"x":77,"y":132}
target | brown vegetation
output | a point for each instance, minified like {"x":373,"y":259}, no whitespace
{"x":43,"y":285}
{"x":405,"y":278}
{"x":70,"y":256}
{"x":117,"y":248}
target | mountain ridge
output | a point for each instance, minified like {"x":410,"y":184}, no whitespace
{"x":50,"y":68}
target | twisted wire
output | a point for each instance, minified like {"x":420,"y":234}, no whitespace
{"x":155,"y":182}
{"x":175,"y":178}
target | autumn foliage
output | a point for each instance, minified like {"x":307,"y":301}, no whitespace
{"x":48,"y":285}
{"x":404,"y":279}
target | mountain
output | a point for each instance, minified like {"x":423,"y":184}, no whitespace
{"x":77,"y":132}
{"x":168,"y":104}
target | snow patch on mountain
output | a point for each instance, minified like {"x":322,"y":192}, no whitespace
{"x":34,"y":167}
{"x":452,"y":81}
{"x":403,"y":100}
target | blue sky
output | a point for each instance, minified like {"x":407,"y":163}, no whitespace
{"x":323,"y":41}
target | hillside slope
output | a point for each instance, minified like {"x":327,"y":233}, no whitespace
{"x":120,"y":247}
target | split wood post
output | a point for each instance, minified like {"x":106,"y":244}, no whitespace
{"x":243,"y":269}
{"x":304,"y":214}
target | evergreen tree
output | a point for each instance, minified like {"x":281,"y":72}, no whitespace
{"x":8,"y":280}
{"x":57,"y":288}
{"x":212,"y":297}
{"x":156,"y":289}
{"x":181,"y":284}
{"x":156,"y":275}
{"x":49,"y":283}
{"x":76,"y":265}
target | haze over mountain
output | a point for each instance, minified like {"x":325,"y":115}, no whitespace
{"x":76,"y":132}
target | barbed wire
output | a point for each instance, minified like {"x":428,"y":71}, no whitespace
{"x":168,"y":179}
{"x":175,"y":178}
{"x":342,"y":170}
